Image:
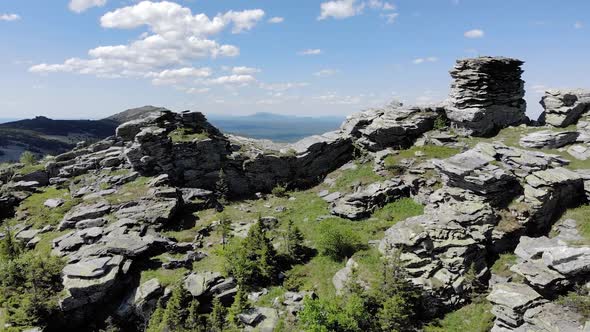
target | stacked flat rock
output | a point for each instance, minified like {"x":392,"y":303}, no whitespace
{"x":564,"y":107}
{"x":486,"y":95}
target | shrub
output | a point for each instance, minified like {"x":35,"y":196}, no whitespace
{"x":279,"y":191}
{"x":28,"y":158}
{"x":338,"y":241}
{"x":440,"y":123}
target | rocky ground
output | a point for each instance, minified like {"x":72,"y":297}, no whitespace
{"x":486,"y":215}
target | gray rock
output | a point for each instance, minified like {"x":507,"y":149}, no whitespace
{"x":84,"y":212}
{"x":564,"y":107}
{"x":142,"y":300}
{"x":579,"y":151}
{"x":547,"y":139}
{"x":539,"y":276}
{"x":486,"y":95}
{"x":54,"y":202}
{"x":199,"y":283}
{"x":510,"y":302}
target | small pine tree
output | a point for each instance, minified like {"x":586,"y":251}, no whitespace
{"x":221,"y":187}
{"x":28,"y":158}
{"x":259,"y":249}
{"x":193,"y":320}
{"x":294,"y":243}
{"x":155,"y":323}
{"x":224,"y":228}
{"x":175,"y":312}
{"x":239,"y":306}
{"x":217,"y":317}
{"x":10,"y":248}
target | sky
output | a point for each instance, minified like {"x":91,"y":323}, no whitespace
{"x":78,"y":59}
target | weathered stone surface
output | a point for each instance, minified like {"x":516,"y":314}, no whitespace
{"x":53,"y":202}
{"x":486,"y":95}
{"x":364,"y":201}
{"x":553,"y":317}
{"x":84,"y":212}
{"x":579,"y":151}
{"x":547,"y":139}
{"x":539,"y":276}
{"x":564,"y":107}
{"x":141,"y":301}
{"x":199,"y":283}
{"x":341,"y":278}
{"x":511,"y":301}
{"x":391,"y":126}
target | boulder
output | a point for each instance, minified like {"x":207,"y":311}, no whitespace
{"x":547,"y":139}
{"x":579,"y":151}
{"x":199,"y":283}
{"x":564,"y":107}
{"x":141,"y":301}
{"x":510,"y":302}
{"x":53,"y":202}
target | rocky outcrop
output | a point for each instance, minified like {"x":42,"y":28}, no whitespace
{"x":394,"y":125}
{"x":547,"y":139}
{"x":486,"y":95}
{"x":364,"y":201}
{"x":564,"y":107}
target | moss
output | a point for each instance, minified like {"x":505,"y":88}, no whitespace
{"x":186,"y":135}
{"x":38,"y":214}
{"x":502,"y":265}
{"x":474,"y":317}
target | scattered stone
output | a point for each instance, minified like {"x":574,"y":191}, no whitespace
{"x":547,"y":139}
{"x":54,"y":202}
{"x":564,"y":107}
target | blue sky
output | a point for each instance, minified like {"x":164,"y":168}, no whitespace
{"x":298,"y":57}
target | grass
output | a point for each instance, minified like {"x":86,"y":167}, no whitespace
{"x":581,"y":215}
{"x":130,"y":191}
{"x":164,"y":276}
{"x":186,"y":135}
{"x":426,"y":152}
{"x":362,"y":175}
{"x":38,"y":214}
{"x":502,"y":265}
{"x":30,"y":168}
{"x":578,"y":301}
{"x":474,"y":317}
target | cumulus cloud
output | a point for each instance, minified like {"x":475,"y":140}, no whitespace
{"x":475,"y":33}
{"x":311,"y":51}
{"x":578,"y":25}
{"x":341,"y":9}
{"x":418,"y":61}
{"x":281,"y":87}
{"x":333,"y":98}
{"x":175,"y":37}
{"x":9,"y":17}
{"x":79,"y":6}
{"x":325,"y":72}
{"x":231,"y":79}
{"x":276,"y":19}
{"x":176,"y":76}
{"x":242,"y":70}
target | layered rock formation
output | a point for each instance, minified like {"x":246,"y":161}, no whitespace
{"x":564,"y":107}
{"x":486,"y":95}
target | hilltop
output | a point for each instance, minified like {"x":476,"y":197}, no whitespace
{"x":460,"y":216}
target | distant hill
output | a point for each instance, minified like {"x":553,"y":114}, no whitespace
{"x":44,"y":136}
{"x":276,"y":127}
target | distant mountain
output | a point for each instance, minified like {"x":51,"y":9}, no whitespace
{"x":276,"y":127}
{"x":4,"y":120}
{"x":44,"y":136}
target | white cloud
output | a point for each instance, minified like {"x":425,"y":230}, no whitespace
{"x":276,"y":19}
{"x":176,"y":76}
{"x":475,"y":33}
{"x":311,"y":51}
{"x":79,"y":6}
{"x":176,"y":37}
{"x":281,"y":87}
{"x":390,"y":18}
{"x":578,"y":25}
{"x":9,"y":17}
{"x":198,"y":90}
{"x":242,"y":70}
{"x":332,"y":98}
{"x":539,"y":89}
{"x":418,"y":61}
{"x":339,"y":9}
{"x":231,"y":79}
{"x":325,"y":72}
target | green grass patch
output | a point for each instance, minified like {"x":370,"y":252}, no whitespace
{"x":578,"y":301}
{"x":420,"y":153}
{"x":186,"y":135}
{"x":130,"y":191}
{"x":164,"y":276}
{"x":27,"y":169}
{"x":362,"y":175}
{"x":474,"y":317}
{"x":38,"y":215}
{"x":502,"y":265}
{"x":581,"y":215}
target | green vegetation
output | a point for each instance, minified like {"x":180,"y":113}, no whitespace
{"x":389,"y":307}
{"x":338,"y":242}
{"x":502,"y":265}
{"x":130,"y":191}
{"x":581,"y":215}
{"x":38,"y":214}
{"x":28,"y":158}
{"x":279,"y":191}
{"x":419,"y":153}
{"x":474,"y":317}
{"x":29,"y":284}
{"x":362,"y":174}
{"x":294,"y":241}
{"x":222,"y":187}
{"x":578,"y":301}
{"x":186,"y":135}
{"x":179,"y":314}
{"x":441,"y":122}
